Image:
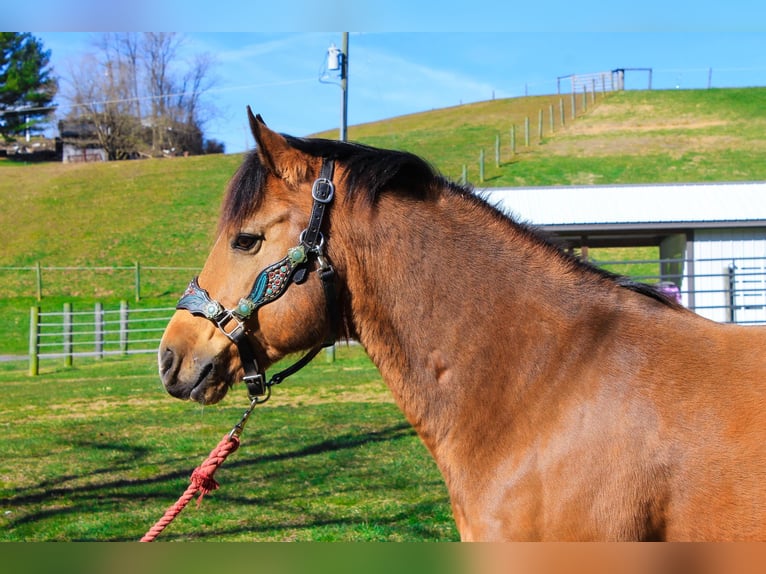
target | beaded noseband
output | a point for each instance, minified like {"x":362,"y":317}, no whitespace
{"x":269,"y":285}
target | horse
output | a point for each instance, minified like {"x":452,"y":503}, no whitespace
{"x":559,"y":401}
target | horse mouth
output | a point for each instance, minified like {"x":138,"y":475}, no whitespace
{"x":198,"y":390}
{"x":206,"y":386}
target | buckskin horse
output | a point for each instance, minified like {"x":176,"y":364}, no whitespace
{"x":559,"y":401}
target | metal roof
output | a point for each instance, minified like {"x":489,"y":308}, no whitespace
{"x":691,"y":205}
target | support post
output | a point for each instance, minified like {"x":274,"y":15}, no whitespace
{"x":526,"y":131}
{"x":552,"y":118}
{"x":138,"y":281}
{"x":67,"y":334}
{"x":98,"y":323}
{"x":124,"y":327}
{"x":513,"y":139}
{"x":561,"y":112}
{"x":34,"y":341}
{"x":39,"y":281}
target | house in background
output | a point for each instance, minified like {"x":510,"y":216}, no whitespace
{"x":79,"y":142}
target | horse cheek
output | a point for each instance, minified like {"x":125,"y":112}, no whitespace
{"x":293,"y":322}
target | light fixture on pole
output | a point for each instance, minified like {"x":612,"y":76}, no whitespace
{"x":337,"y":61}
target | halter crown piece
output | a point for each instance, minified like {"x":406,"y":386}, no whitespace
{"x":269,"y":285}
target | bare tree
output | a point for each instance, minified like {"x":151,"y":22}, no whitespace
{"x":102,"y":101}
{"x":135,"y":89}
{"x":159,"y":50}
{"x":188,"y":112}
{"x":129,"y":46}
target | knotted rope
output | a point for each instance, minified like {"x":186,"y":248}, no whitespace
{"x":202,"y":481}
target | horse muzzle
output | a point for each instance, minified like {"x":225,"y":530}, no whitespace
{"x":201,"y":373}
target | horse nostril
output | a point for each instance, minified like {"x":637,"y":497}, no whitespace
{"x":167,"y":361}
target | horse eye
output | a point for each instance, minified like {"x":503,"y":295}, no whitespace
{"x":246,"y":241}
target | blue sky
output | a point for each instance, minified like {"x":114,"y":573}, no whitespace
{"x":502,"y":51}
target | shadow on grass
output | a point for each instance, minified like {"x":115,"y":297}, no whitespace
{"x":95,"y":493}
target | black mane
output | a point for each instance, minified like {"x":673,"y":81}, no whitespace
{"x":371,"y":171}
{"x":368,"y":170}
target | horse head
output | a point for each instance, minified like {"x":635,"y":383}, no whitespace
{"x":257,"y":298}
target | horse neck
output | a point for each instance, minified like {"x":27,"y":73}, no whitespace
{"x":444,"y":291}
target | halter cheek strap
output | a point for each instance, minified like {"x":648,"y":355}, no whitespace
{"x":269,"y":285}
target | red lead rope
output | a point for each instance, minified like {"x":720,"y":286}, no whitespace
{"x":202,"y":481}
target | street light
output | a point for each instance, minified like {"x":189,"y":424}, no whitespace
{"x":337,"y":61}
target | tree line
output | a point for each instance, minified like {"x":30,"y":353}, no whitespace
{"x":132,"y":95}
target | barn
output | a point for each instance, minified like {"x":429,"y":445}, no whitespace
{"x":711,"y":236}
{"x":80,"y":142}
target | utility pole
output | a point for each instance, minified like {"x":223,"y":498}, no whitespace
{"x":344,"y":88}
{"x":337,"y":61}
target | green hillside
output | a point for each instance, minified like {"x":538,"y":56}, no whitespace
{"x":163,"y":212}
{"x":626,"y":137}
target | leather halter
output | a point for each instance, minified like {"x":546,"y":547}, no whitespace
{"x":269,"y":285}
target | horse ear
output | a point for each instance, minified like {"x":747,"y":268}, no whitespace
{"x":275,"y":152}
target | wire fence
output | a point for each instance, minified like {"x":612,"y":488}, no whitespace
{"x":135,"y":281}
{"x":728,"y":290}
{"x":95,"y":333}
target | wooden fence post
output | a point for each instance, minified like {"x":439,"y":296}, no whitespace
{"x":34,"y":341}
{"x":124,"y":327}
{"x":513,"y":139}
{"x":540,"y":126}
{"x":574,"y":105}
{"x":39,"y":281}
{"x":98,"y":323}
{"x":67,"y":334}
{"x":561,"y":112}
{"x":526,"y":131}
{"x":481,"y":165}
{"x":552,"y":118}
{"x":138,"y":281}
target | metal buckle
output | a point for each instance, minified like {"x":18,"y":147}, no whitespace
{"x":236,"y":332}
{"x":323,"y":182}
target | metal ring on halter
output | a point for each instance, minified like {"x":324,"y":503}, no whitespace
{"x":314,"y":248}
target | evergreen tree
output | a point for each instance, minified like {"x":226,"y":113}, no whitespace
{"x":27,"y":84}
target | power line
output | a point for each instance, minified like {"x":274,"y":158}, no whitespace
{"x":149,"y":98}
{"x":187,"y":93}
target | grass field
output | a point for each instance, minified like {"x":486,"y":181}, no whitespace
{"x":99,"y":451}
{"x":625,"y":137}
{"x":164,"y":212}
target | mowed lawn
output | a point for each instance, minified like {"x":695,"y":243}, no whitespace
{"x":97,"y":452}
